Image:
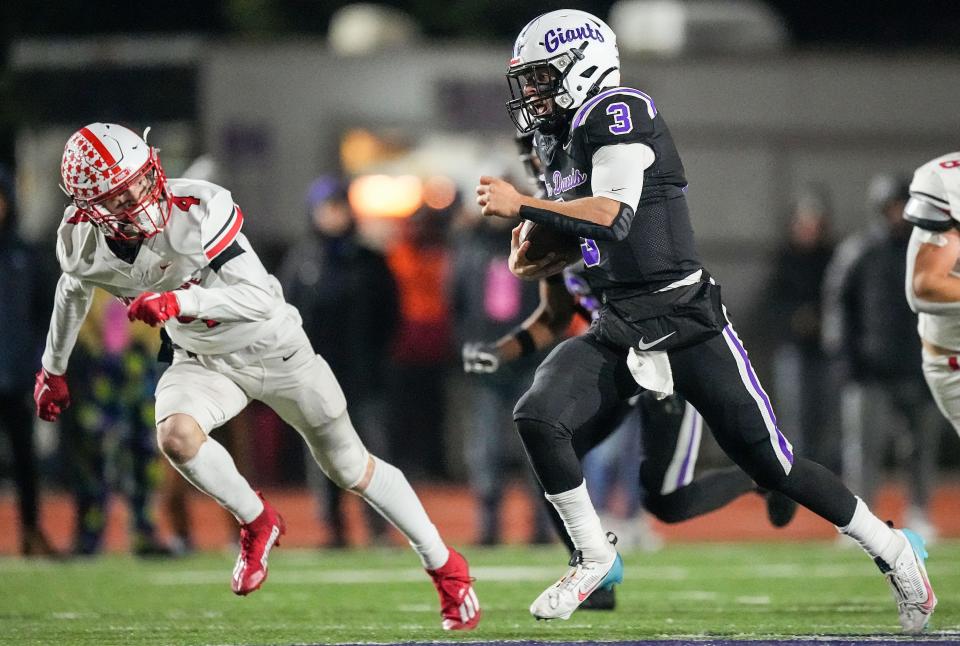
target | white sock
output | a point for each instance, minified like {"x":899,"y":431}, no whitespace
{"x":213,"y":472}
{"x":874,"y":536}
{"x":393,"y":497}
{"x":582,"y":523}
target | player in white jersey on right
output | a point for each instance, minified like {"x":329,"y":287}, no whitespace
{"x":933,"y":276}
{"x":174,"y":252}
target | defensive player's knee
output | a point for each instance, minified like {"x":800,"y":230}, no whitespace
{"x":346,"y":468}
{"x":352,"y":469}
{"x":338,"y":451}
{"x":179,"y":437}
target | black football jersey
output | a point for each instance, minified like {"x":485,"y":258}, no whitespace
{"x":659,"y":248}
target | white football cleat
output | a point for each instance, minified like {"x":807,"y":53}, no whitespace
{"x":563,"y":597}
{"x":910,"y":585}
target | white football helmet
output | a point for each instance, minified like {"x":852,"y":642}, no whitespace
{"x":560,"y":60}
{"x":114,"y":178}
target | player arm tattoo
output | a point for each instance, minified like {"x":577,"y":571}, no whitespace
{"x":617,"y":230}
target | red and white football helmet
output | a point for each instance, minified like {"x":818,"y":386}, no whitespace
{"x":115,"y":179}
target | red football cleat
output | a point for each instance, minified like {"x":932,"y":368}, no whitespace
{"x":257,"y":538}
{"x":459,"y":605}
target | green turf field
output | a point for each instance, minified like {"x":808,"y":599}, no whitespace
{"x":721,"y":590}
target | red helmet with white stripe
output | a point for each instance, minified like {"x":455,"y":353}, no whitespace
{"x":115,"y":179}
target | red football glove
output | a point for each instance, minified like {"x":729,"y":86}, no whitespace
{"x":153,"y":308}
{"x":51,"y":394}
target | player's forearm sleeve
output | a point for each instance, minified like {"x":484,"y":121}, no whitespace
{"x":71,"y":303}
{"x":618,"y":229}
{"x":249,"y":293}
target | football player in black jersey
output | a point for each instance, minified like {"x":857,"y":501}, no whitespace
{"x":615,"y":180}
{"x":670,"y":428}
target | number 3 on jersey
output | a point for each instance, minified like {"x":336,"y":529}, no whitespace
{"x":621,"y":118}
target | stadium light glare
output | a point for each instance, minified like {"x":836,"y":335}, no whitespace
{"x":385,"y":196}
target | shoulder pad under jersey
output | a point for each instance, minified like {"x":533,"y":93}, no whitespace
{"x":203,"y":218}
{"x":935,"y":194}
{"x":76,"y":241}
{"x":618,"y":115}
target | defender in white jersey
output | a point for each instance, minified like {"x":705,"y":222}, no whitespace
{"x":174,"y":251}
{"x":933,"y":276}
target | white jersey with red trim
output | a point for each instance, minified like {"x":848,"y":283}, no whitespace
{"x":937,"y":184}
{"x":934,"y":206}
{"x":227,"y":299}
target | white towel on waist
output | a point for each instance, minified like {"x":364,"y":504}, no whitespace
{"x":651,"y":370}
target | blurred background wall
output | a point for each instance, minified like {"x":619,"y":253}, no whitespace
{"x":755,"y":120}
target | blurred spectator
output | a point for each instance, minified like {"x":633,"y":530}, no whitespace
{"x":868,"y":324}
{"x":347,"y":298}
{"x":488,"y":302}
{"x":109,"y":430}
{"x":23,"y":315}
{"x":423,"y":347}
{"x":803,"y":392}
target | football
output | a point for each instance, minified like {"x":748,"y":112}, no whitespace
{"x":544,"y":239}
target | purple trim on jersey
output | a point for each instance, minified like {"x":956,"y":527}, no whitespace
{"x":785,"y":447}
{"x":686,"y":469}
{"x":585,"y":109}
